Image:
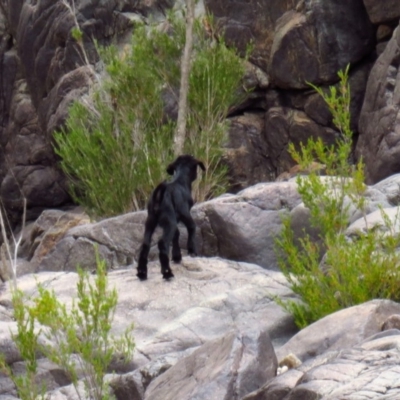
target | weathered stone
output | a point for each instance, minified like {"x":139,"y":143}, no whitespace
{"x":109,"y":236}
{"x":380,"y":12}
{"x":7,"y":346}
{"x":48,"y":374}
{"x":379,"y":125}
{"x":126,"y":387}
{"x":340,"y":330}
{"x":311,"y":46}
{"x":247,"y":153}
{"x":208,"y":298}
{"x":246,"y":21}
{"x":226,"y":227}
{"x":285,"y":125}
{"x":393,"y":322}
{"x":376,"y":219}
{"x":244,"y":226}
{"x":227,"y":369}
{"x":390,"y":187}
{"x":277,"y":388}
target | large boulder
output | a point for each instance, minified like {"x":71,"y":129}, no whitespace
{"x":379,"y":125}
{"x":287,"y":125}
{"x":368,"y":370}
{"x":313,"y":43}
{"x":247,"y":153}
{"x":340,"y":330}
{"x":379,"y":12}
{"x":226,"y":369}
{"x":244,"y":227}
{"x":240,"y":227}
{"x":250,"y":21}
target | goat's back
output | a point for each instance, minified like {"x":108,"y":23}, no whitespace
{"x":157,"y":198}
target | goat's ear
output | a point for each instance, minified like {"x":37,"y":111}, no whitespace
{"x":201,"y":165}
{"x":171,"y":168}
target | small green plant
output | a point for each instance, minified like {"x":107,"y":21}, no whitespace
{"x":79,"y":337}
{"x":26,"y":340}
{"x":116,"y":143}
{"x":353,"y":270}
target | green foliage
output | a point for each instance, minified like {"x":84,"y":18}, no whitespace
{"x":76,"y":33}
{"x":80,"y":336}
{"x":26,"y":340}
{"x":353,"y":270}
{"x":115,"y":145}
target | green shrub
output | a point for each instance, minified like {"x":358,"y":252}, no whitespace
{"x":116,"y":143}
{"x":80,"y":336}
{"x":353,"y":270}
{"x":26,"y":340}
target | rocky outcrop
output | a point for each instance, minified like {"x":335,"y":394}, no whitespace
{"x":380,"y":116}
{"x":241,"y":227}
{"x":215,"y":330}
{"x":360,"y":361}
{"x":315,"y":43}
{"x":224,"y":311}
{"x":238,"y":227}
{"x":44,"y":68}
{"x":227,"y":368}
{"x":379,"y":14}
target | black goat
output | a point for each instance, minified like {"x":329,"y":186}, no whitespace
{"x":169,"y":204}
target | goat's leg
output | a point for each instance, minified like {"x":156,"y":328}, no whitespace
{"x":176,"y":251}
{"x":150,"y":226}
{"x":169,"y":229}
{"x":191,"y":228}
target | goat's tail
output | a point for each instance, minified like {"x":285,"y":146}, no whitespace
{"x":157,"y":198}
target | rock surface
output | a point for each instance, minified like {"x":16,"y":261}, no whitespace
{"x":380,"y":115}
{"x":312,"y":45}
{"x":340,"y":330}
{"x":210,"y":299}
{"x":368,"y":370}
{"x":240,"y":227}
{"x":227,"y":369}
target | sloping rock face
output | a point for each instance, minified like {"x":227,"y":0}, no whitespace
{"x":353,"y":360}
{"x":219,"y":369}
{"x":43,"y":69}
{"x":223,"y":310}
{"x":380,"y":115}
{"x":241,"y":227}
{"x":250,"y":21}
{"x":312,"y":45}
{"x":382,"y":13}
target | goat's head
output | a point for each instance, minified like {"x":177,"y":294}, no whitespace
{"x":188,"y":163}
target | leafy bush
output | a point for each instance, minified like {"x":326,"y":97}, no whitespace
{"x":79,"y":337}
{"x":353,"y":270}
{"x":116,"y":144}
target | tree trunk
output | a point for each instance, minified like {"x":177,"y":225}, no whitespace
{"x":179,"y":139}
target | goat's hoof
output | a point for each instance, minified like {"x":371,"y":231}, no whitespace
{"x":177,"y":259}
{"x":168,"y":274}
{"x":142,"y":275}
{"x":192,"y":254}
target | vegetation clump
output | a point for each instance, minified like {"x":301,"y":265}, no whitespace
{"x":117,"y":142}
{"x":77,"y":338}
{"x":353,"y":270}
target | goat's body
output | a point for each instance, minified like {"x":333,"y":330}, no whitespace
{"x":170,"y":203}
